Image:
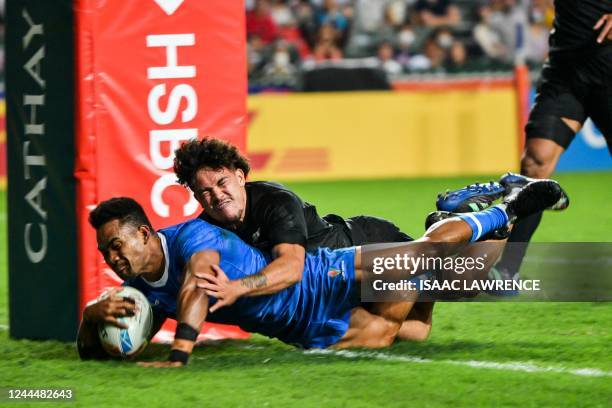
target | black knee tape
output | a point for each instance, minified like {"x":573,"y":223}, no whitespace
{"x":550,"y":127}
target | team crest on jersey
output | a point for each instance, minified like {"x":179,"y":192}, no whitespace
{"x":333,"y":272}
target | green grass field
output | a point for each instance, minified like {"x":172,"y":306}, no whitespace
{"x":501,"y":354}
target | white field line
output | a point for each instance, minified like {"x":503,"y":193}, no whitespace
{"x":507,"y":366}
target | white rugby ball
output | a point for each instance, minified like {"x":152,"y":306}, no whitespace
{"x":128,"y":342}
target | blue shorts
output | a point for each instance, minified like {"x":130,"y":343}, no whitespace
{"x":329,"y":292}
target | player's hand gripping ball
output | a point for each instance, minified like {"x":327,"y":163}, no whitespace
{"x":131,"y":341}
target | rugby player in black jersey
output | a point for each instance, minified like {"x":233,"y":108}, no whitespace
{"x":274,"y":219}
{"x":576,"y":84}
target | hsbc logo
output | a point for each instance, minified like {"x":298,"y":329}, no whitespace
{"x":172,"y":108}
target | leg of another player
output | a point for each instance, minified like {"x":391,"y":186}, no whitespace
{"x":541,"y":155}
{"x":539,"y":161}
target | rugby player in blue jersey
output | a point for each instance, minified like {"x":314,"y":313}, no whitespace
{"x":277,"y":221}
{"x":322,"y":310}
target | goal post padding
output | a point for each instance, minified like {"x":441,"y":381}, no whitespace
{"x":125,"y":83}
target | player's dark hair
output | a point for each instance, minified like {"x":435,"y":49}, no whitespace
{"x":206,"y":153}
{"x":124,"y":209}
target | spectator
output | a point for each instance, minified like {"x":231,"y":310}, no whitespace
{"x":537,"y":36}
{"x":281,"y":13}
{"x":259,"y":22}
{"x":288,"y":28}
{"x":509,"y":18}
{"x":444,"y":38}
{"x":433,"y":56}
{"x":333,"y":15}
{"x":374,"y":21}
{"x":281,"y":68}
{"x":305,"y":15}
{"x":436,"y":13}
{"x":395,"y":13}
{"x":327,"y":46}
{"x":369,"y":15}
{"x":385,"y":58}
{"x":457,"y":57}
{"x":487,"y":37}
{"x":405,"y":41}
{"x":256,"y":57}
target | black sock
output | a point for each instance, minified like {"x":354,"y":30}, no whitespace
{"x":513,"y":255}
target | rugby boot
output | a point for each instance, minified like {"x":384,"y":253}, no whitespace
{"x":475,"y":197}
{"x":513,"y":182}
{"x":532,"y":198}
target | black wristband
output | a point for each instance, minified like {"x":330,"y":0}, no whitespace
{"x":179,"y":355}
{"x":185,"y":332}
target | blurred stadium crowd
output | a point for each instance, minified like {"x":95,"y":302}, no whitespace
{"x":401,"y":37}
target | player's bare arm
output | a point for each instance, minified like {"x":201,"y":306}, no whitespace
{"x":604,"y":25}
{"x":284,"y":271}
{"x":192,"y":308}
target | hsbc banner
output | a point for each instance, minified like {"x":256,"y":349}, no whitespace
{"x":101,"y":93}
{"x":150,"y":75}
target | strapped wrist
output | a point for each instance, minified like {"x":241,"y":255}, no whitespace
{"x":179,"y":355}
{"x":185,"y":332}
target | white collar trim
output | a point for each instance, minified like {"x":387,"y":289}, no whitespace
{"x":162,"y":281}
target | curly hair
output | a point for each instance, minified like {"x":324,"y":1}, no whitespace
{"x":124,"y":209}
{"x":206,"y":153}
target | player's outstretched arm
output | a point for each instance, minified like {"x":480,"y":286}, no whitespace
{"x":192,"y":308}
{"x":105,"y":310}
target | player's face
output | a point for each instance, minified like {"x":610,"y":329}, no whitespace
{"x":221,"y":193}
{"x":123,"y":248}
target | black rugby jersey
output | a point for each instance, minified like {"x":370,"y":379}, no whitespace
{"x":276,"y":215}
{"x":573,"y":41}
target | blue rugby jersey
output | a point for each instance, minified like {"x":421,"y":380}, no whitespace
{"x":312,"y":313}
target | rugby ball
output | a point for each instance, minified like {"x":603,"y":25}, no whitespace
{"x":119,"y":342}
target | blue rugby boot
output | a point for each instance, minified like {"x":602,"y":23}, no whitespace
{"x":475,"y":197}
{"x":513,"y":182}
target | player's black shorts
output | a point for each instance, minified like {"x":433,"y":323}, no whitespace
{"x":360,"y":230}
{"x":370,"y":230}
{"x":563,"y":93}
